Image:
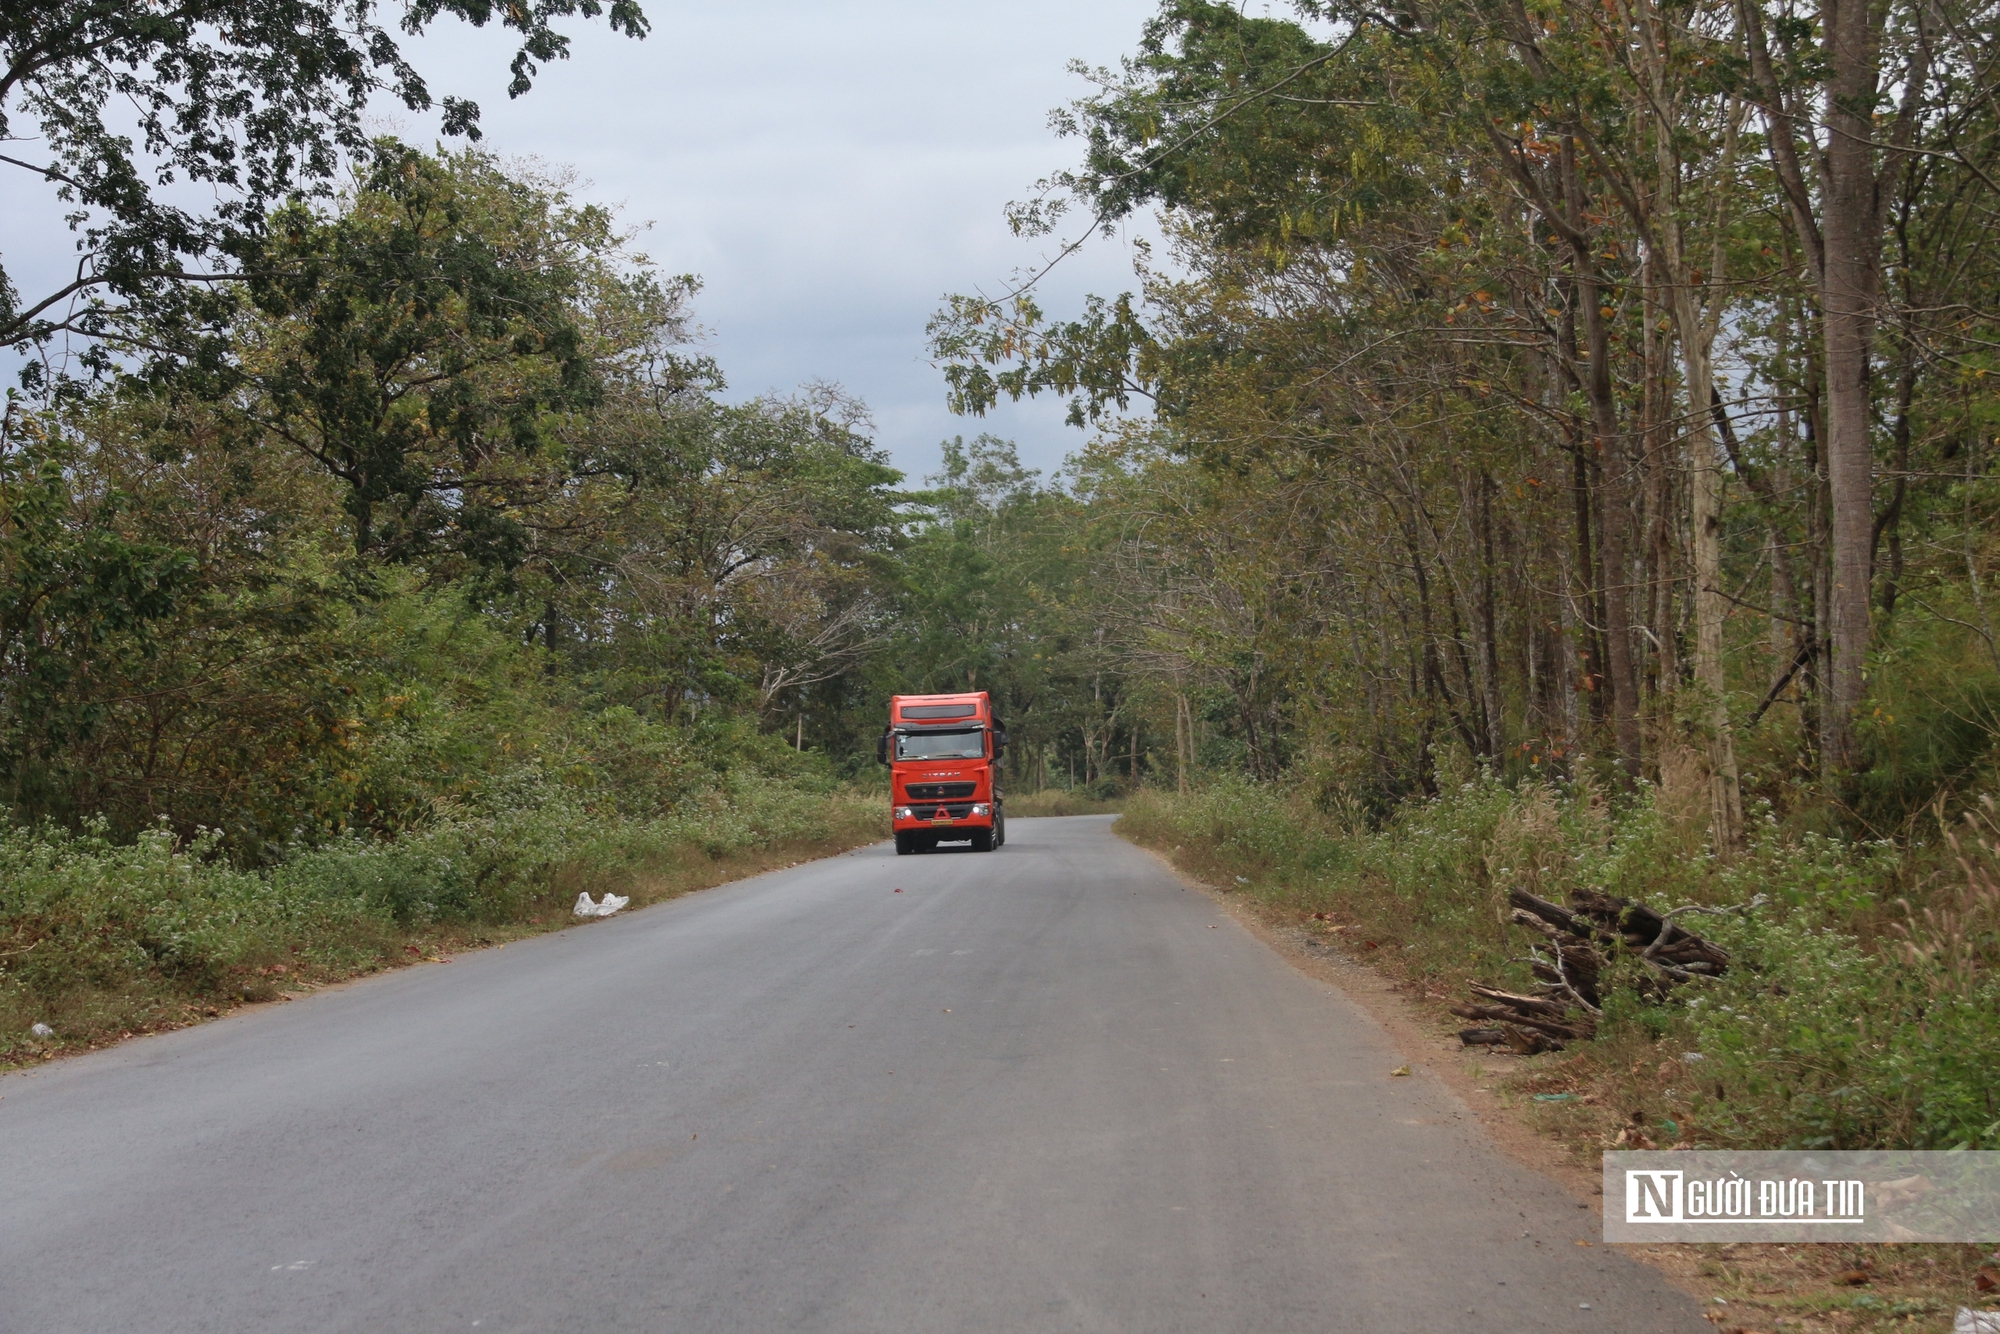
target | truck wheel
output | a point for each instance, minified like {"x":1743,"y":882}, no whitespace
{"x":999,"y":828}
{"x":982,"y":840}
{"x":904,"y":845}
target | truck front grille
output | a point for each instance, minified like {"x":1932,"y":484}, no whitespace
{"x":940,"y":791}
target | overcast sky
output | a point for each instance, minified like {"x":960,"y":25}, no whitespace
{"x":831,"y":170}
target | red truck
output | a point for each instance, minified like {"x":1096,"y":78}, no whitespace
{"x":943,"y":753}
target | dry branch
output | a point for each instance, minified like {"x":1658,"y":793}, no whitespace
{"x":1583,"y":938}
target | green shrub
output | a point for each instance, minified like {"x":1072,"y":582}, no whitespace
{"x":1813,"y":1042}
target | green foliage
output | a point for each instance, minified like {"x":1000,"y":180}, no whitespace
{"x":1814,"y":1042}
{"x":84,"y":914}
{"x":455,"y":502}
{"x":421,"y":343}
{"x":71,"y":585}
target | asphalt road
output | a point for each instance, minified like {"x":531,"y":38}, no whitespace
{"x":1045,"y":1088}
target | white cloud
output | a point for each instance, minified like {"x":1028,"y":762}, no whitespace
{"x":830,"y":171}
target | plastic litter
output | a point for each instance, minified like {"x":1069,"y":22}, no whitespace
{"x":589,"y":907}
{"x":42,"y":1031}
{"x":1970,"y":1321}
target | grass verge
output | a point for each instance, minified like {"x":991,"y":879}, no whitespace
{"x":101,"y":941}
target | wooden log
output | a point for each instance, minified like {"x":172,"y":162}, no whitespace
{"x":1568,"y":1032}
{"x":1692,"y":950}
{"x":1553,"y":913}
{"x":1526,"y":1004}
{"x":1482,"y":1037}
{"x":1581,"y":961}
{"x":1643,"y":929}
{"x":1570,"y":943}
{"x":1583,"y":937}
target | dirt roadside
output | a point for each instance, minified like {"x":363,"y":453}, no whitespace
{"x":1748,"y":1289}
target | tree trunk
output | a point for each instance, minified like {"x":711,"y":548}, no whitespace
{"x":1711,"y":607}
{"x":1852,"y":228}
{"x":1489,"y":631}
{"x":1613,"y":464}
{"x":1183,"y":736}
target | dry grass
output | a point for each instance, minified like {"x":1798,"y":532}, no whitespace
{"x":1055,"y":801}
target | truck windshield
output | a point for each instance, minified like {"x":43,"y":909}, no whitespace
{"x":941,"y":746}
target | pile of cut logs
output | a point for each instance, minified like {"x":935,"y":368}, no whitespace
{"x":1577,"y":945}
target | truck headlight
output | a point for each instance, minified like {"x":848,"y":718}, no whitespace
{"x":981,"y":808}
{"x":905,"y":813}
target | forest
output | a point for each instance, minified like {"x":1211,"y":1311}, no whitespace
{"x":1549,"y":451}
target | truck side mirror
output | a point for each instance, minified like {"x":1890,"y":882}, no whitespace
{"x":882,"y":749}
{"x":999,"y":743}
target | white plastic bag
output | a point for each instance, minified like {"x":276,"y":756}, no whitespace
{"x":589,"y":907}
{"x":1970,"y":1321}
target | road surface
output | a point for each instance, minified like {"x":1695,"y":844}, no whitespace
{"x":1041,"y":1089}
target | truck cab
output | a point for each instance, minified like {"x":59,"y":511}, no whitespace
{"x":944,"y":755}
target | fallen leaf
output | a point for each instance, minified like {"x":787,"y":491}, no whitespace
{"x":1853,"y":1277}
{"x":1985,"y":1281}
{"x":1400,"y":1070}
